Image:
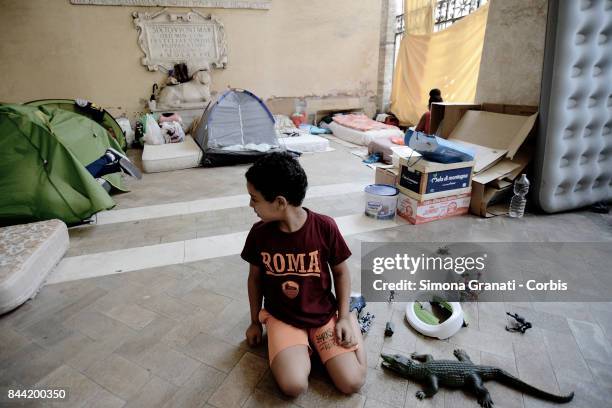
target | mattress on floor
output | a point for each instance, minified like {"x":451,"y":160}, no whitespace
{"x":171,"y":156}
{"x":28,"y":253}
{"x":305,"y":143}
{"x":362,"y":138}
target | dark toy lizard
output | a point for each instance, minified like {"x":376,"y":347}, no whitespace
{"x":460,"y":374}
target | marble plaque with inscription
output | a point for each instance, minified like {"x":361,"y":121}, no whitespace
{"x":248,"y":4}
{"x":170,"y":38}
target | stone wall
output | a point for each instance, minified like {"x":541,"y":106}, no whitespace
{"x":513,"y":52}
{"x":321,"y":50}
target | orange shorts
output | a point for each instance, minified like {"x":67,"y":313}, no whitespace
{"x":282,"y":335}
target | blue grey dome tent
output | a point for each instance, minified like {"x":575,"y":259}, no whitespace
{"x":237,"y":128}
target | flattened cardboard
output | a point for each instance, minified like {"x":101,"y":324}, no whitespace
{"x":522,"y":158}
{"x":500,"y":183}
{"x":522,"y":110}
{"x":502,"y":169}
{"x":445,"y":116}
{"x":494,"y":130}
{"x":517,"y":142}
{"x":479,"y":124}
{"x":485,"y":157}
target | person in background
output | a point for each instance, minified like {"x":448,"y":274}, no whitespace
{"x":425,"y":122}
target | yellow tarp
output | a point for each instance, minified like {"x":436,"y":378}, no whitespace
{"x":448,"y":60}
{"x":418,"y":16}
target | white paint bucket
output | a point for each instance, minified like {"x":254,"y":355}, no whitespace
{"x":381,"y":201}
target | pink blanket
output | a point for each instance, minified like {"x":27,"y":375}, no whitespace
{"x":361,"y":122}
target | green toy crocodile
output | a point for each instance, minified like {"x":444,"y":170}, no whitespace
{"x":460,"y":374}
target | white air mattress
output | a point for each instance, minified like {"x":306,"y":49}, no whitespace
{"x":305,"y":143}
{"x":28,"y":253}
{"x":574,"y":157}
{"x":362,"y":138}
{"x":171,"y":156}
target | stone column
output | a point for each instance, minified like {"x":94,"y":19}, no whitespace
{"x":386,"y":55}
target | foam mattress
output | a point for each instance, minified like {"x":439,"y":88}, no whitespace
{"x":28,"y":253}
{"x":362,"y":138}
{"x":305,"y":143}
{"x":171,"y":156}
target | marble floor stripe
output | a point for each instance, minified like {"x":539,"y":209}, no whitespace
{"x":209,"y":204}
{"x":132,"y":259}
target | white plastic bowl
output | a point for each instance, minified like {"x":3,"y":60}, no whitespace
{"x":441,"y":331}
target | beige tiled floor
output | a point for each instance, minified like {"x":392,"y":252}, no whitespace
{"x":172,"y":336}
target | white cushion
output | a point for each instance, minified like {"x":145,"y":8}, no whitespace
{"x":171,"y":156}
{"x":28,"y":253}
{"x":305,"y":143}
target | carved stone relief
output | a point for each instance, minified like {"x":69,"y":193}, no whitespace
{"x":242,"y":4}
{"x":170,"y":38}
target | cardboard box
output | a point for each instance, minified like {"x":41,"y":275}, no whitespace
{"x":490,"y":200}
{"x":398,"y":152}
{"x":386,"y":176}
{"x":425,"y":180}
{"x":498,"y":134}
{"x":419,"y":212}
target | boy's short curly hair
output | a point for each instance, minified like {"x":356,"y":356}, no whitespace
{"x":279,"y":174}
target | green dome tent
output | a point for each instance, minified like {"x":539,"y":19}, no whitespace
{"x":43,"y":154}
{"x":99,"y":115}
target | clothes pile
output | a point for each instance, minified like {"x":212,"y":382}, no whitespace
{"x":168,"y":128}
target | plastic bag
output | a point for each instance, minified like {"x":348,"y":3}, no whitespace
{"x":125,"y":125}
{"x":172,"y":132}
{"x":436,"y":149}
{"x":152,"y":134}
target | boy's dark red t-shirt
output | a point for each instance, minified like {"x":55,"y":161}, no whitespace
{"x":296,"y":277}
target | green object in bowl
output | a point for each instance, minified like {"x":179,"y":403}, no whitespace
{"x":425,"y":315}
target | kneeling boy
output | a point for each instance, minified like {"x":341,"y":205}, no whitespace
{"x":290,"y":252}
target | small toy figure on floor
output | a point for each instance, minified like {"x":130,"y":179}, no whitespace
{"x":390,"y":327}
{"x":521,"y":326}
{"x":358,"y":303}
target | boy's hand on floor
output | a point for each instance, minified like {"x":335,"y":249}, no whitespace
{"x":253,"y":334}
{"x":345,"y":334}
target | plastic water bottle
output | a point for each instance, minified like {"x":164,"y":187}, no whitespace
{"x":517,"y":204}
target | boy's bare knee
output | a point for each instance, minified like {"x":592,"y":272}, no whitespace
{"x":293,"y":388}
{"x":351,"y":384}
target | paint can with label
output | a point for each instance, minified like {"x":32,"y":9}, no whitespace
{"x":381,"y":201}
